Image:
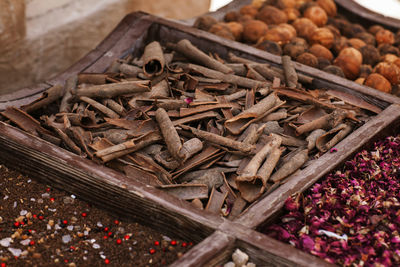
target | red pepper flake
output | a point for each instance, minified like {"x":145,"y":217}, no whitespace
{"x":152,"y":251}
{"x":119,"y":241}
{"x":190,"y":244}
{"x":110,"y":234}
{"x":48,"y":189}
{"x":41,"y":217}
{"x":65,"y":222}
{"x":116,"y":222}
{"x":65,"y":260}
{"x":126,"y":237}
{"x":32,"y":242}
{"x":333,"y":150}
{"x":105,"y":237}
{"x":3,"y":264}
{"x":34,"y":216}
{"x":72,"y":249}
{"x":84,"y":214}
{"x":106,"y":229}
{"x":173,"y":242}
{"x":156,"y":243}
{"x":184,"y":244}
{"x":107,"y":261}
{"x":16,"y":224}
{"x":52,"y":199}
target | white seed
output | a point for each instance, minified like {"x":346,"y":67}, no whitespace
{"x":239,"y":257}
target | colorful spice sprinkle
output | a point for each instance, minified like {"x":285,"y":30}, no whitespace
{"x":152,"y":251}
{"x":107,"y":261}
{"x":352,"y":216}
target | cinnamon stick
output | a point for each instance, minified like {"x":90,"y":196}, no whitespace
{"x":153,"y":59}
{"x":114,"y":89}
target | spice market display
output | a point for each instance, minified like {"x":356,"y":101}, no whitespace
{"x":314,"y":34}
{"x":217,"y":134}
{"x":350,"y":217}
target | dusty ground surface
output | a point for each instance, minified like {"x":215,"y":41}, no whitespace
{"x":42,"y":226}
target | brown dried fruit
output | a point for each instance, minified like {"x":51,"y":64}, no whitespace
{"x":317,"y":15}
{"x":231,"y":16}
{"x":339,"y":44}
{"x":272,"y":15}
{"x":388,"y":70}
{"x":304,"y":27}
{"x":244,"y":18}
{"x":356,"y":43}
{"x":389,"y":58}
{"x":248,"y":10}
{"x":299,"y":41}
{"x":204,"y":22}
{"x":367,"y":37}
{"x":397,"y":62}
{"x":329,"y":6}
{"x":306,"y":5}
{"x":253,"y":30}
{"x":321,"y":51}
{"x":349,"y":60}
{"x":322,"y":36}
{"x":236,"y":29}
{"x":365,"y":70}
{"x":360,"y":81}
{"x":281,"y":34}
{"x":270,"y":46}
{"x":291,"y":13}
{"x":388,"y":49}
{"x":282,"y":4}
{"x":377,"y":81}
{"x":384,"y":37}
{"x":308,"y":59}
{"x":351,"y":30}
{"x":335,"y":70}
{"x":293,"y":50}
{"x":323,"y":63}
{"x":370,"y":55}
{"x":222,"y":29}
{"x":375,"y":28}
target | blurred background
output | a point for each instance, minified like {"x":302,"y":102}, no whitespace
{"x":41,"y":38}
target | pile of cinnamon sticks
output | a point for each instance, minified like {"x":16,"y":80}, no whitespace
{"x":219,"y":133}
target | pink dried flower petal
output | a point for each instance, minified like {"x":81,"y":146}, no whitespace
{"x":188,"y":100}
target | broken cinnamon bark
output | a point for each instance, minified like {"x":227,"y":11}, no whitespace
{"x":153,"y":59}
{"x":113,"y":89}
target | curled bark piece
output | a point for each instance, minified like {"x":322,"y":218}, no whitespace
{"x":140,"y":143}
{"x":269,"y":165}
{"x":216,"y":201}
{"x":191,"y":147}
{"x":114,"y":89}
{"x":141,"y":176}
{"x":273,"y":127}
{"x":114,"y":106}
{"x":92,"y":78}
{"x":103,"y":109}
{"x":331,"y":138}
{"x":228,"y":78}
{"x":196,"y":117}
{"x":211,"y":177}
{"x":289,"y":71}
{"x":171,"y":136}
{"x":237,"y":95}
{"x":81,"y":137}
{"x":70,"y":85}
{"x":254,"y":134}
{"x":354,"y":100}
{"x":325,"y":122}
{"x":153,"y":59}
{"x":250,"y":185}
{"x":220,"y":140}
{"x":237,"y":208}
{"x":203,"y":108}
{"x":170,"y":104}
{"x":25,"y":121}
{"x":191,"y":52}
{"x":129,"y":70}
{"x":313,"y":136}
{"x":276,"y":116}
{"x":160,"y":90}
{"x":288,"y":140}
{"x":186,"y":191}
{"x":49,"y":96}
{"x":238,"y":123}
{"x":291,"y":166}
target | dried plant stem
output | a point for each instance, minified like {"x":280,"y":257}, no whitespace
{"x":325,"y":122}
{"x":105,"y":110}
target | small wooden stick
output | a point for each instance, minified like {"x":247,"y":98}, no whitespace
{"x":291,"y":166}
{"x":70,"y":85}
{"x":289,"y":71}
{"x":153,"y":59}
{"x":113,"y":105}
{"x":92,"y":78}
{"x":220,"y":140}
{"x":191,"y":52}
{"x":114,"y":89}
{"x":191,"y":147}
{"x":171,"y":136}
{"x":105,"y":110}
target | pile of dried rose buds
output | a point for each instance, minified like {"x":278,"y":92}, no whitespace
{"x":352,"y":217}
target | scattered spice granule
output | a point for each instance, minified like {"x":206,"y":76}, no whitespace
{"x":352,"y":216}
{"x":43,"y":226}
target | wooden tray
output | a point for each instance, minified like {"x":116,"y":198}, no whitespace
{"x":149,"y":206}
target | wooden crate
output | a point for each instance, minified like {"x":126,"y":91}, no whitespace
{"x":115,"y":192}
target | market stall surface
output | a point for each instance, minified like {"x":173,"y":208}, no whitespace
{"x":43,"y":226}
